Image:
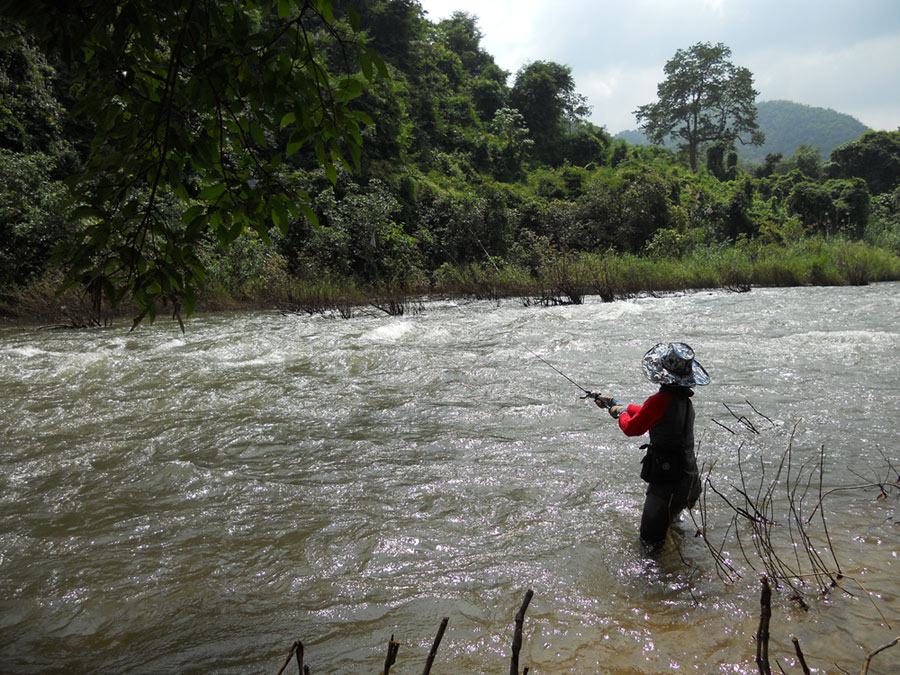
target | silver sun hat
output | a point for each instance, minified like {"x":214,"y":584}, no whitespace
{"x":673,"y":363}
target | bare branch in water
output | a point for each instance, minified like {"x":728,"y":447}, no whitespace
{"x":391,"y":658}
{"x":435,"y":645}
{"x":517,"y":636}
{"x":762,"y":633}
{"x":296,"y":649}
{"x":800,"y":656}
{"x":872,"y":654}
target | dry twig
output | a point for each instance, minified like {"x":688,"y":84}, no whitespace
{"x":870,"y":655}
{"x":517,"y":636}
{"x":435,"y":645}
{"x":762,"y":634}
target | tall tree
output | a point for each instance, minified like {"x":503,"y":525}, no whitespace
{"x":464,"y":38}
{"x":875,"y":157}
{"x":197,"y":108}
{"x":544,"y":92}
{"x":705,"y":98}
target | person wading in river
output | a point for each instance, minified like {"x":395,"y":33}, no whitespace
{"x":670,"y":466}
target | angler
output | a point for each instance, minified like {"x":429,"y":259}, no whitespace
{"x":670,"y":465}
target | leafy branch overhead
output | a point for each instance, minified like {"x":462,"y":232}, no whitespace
{"x":199,"y":108}
{"x":704,"y":99}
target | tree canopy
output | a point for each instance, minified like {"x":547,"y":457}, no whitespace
{"x":875,"y":157}
{"x":197,"y":109}
{"x":544,"y":92}
{"x":705,"y":98}
{"x":247,"y":150}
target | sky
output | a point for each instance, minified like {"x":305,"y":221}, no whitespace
{"x":838,"y":54}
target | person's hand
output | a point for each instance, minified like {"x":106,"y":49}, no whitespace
{"x":616,"y":410}
{"x":604,"y":401}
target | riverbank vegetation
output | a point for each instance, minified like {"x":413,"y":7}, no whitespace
{"x":465,"y":180}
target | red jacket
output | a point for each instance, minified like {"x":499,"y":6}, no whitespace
{"x":638,"y":419}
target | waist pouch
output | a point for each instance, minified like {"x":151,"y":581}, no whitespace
{"x":658,"y":467}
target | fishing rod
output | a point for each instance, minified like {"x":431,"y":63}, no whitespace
{"x":587,"y":393}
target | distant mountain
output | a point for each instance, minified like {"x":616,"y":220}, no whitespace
{"x":786,"y":125}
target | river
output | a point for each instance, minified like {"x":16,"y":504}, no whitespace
{"x":199,"y":501}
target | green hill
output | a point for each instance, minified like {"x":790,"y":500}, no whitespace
{"x":786,"y":125}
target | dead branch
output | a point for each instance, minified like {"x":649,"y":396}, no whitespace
{"x":517,"y":636}
{"x":760,"y":414}
{"x":391,"y":658}
{"x":870,"y":655}
{"x":296,"y":649}
{"x":762,"y":634}
{"x":435,"y":645}
{"x":726,"y":428}
{"x":742,"y":419}
{"x":799,"y":653}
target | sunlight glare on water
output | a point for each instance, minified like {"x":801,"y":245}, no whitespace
{"x":199,"y":501}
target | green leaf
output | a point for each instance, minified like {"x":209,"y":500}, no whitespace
{"x":289,"y":118}
{"x":325,"y":8}
{"x":354,"y":19}
{"x":257,"y":133}
{"x":320,"y":152}
{"x":190,"y":301}
{"x":192,"y":214}
{"x":355,"y":154}
{"x":284,"y":9}
{"x":279,"y":214}
{"x":366,"y":64}
{"x":228,"y":235}
{"x":310,"y":215}
{"x":379,"y":63}
{"x":213,"y":191}
{"x":352,"y":89}
{"x":353,"y":129}
{"x":362,"y":117}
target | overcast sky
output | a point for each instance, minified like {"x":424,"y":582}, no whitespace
{"x":838,"y":54}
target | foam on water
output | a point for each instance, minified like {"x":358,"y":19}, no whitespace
{"x":273,"y":477}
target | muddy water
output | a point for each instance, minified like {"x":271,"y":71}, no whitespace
{"x":184,"y":502}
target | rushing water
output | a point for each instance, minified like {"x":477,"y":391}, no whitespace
{"x":196,"y":502}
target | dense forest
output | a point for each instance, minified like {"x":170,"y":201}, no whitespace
{"x":466,"y":180}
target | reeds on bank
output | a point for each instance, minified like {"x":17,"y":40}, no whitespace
{"x":559,"y":278}
{"x":567,"y":278}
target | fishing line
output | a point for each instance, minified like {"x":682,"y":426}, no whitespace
{"x":587,"y":393}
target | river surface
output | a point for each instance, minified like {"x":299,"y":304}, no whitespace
{"x":197,"y":502}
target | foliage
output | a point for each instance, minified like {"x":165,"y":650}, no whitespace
{"x":356,"y":235}
{"x":507,"y":145}
{"x":883,"y":227}
{"x":837,"y":206}
{"x":785,"y":125}
{"x":30,"y":215}
{"x":200,"y":103}
{"x":874,"y":157}
{"x":704,"y":99}
{"x":806,"y":160}
{"x":544,"y":92}
{"x":462,"y":185}
{"x":29,"y":111}
{"x":464,"y":39}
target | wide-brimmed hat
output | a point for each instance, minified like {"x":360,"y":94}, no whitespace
{"x":673,"y":363}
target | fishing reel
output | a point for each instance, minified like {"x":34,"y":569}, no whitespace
{"x":596,"y":395}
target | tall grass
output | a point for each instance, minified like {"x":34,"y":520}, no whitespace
{"x":564,"y":279}
{"x":561,"y":278}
